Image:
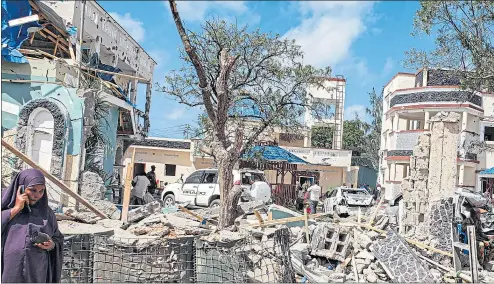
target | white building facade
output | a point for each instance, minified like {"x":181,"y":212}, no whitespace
{"x":409,"y":101}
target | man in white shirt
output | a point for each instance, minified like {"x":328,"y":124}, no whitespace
{"x":315,"y":193}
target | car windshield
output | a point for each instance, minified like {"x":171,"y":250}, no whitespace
{"x":354,"y":191}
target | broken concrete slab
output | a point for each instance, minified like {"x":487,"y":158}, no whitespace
{"x":109,"y":223}
{"x":85,"y":217}
{"x":399,"y":259}
{"x":364,"y":241}
{"x":75,"y":228}
{"x":143,"y":211}
{"x":365,"y":255}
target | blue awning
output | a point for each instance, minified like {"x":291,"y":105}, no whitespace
{"x":487,"y":172}
{"x":274,"y":154}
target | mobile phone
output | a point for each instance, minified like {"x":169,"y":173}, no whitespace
{"x":23,"y":190}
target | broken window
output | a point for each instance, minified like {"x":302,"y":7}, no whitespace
{"x":194,"y":177}
{"x":210,"y":178}
{"x":489,"y":133}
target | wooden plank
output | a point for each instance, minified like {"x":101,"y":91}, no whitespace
{"x":32,"y":38}
{"x":127,"y":189}
{"x":54,"y":35}
{"x":56,"y":46}
{"x":472,"y":254}
{"x":32,"y":81}
{"x":371,"y":221}
{"x":53,"y":179}
{"x":71,"y":52}
{"x":288,"y":220}
{"x":259,"y":218}
{"x":52,"y":39}
{"x":197,"y":216}
{"x":306,"y":219}
{"x":270,"y":216}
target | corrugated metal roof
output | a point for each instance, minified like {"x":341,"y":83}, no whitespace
{"x":487,"y":172}
{"x":273,"y":153}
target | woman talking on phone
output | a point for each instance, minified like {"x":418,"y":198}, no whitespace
{"x":32,"y":245}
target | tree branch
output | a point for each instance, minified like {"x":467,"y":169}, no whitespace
{"x":203,"y":82}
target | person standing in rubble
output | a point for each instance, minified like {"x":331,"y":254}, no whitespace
{"x":140,"y":185}
{"x":152,"y":180}
{"x":315,"y":194}
{"x":32,"y":245}
{"x":300,"y":197}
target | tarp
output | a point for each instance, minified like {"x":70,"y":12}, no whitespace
{"x":487,"y":172}
{"x":13,"y":37}
{"x":273,"y":153}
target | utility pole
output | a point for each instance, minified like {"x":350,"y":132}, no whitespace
{"x":81,"y":39}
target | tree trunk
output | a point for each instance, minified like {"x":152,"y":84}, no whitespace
{"x":228,"y":211}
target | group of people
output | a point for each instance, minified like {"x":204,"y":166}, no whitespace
{"x":144,"y":187}
{"x":308,"y":194}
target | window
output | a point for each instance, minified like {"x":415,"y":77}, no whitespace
{"x":170,"y":170}
{"x":210,"y":178}
{"x":194,"y":177}
{"x":489,"y":133}
{"x":333,"y":194}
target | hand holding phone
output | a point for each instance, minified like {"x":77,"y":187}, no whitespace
{"x":22,"y":199}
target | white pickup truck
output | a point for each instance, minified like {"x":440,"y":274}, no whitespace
{"x":201,"y":188}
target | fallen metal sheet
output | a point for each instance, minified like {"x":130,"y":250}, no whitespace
{"x":400,"y":261}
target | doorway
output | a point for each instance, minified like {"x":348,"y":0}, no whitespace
{"x":303,"y":179}
{"x":138,"y":168}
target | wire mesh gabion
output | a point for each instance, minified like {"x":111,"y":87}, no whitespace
{"x":92,"y":258}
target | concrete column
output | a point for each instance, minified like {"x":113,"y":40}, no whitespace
{"x":395,"y":122}
{"x":133,"y":91}
{"x":392,"y":174}
{"x":426,"y":120}
{"x":464,"y":121}
{"x":461,"y":175}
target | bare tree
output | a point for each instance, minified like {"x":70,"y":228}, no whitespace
{"x":247,"y":83}
{"x":464,"y":32}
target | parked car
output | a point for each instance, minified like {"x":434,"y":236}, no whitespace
{"x":201,"y":188}
{"x":343,"y":199}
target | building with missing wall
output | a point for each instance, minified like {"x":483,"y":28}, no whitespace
{"x":409,"y":101}
{"x":62,"y":88}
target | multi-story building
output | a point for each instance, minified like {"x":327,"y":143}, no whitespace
{"x":410,"y":100}
{"x":67,"y":77}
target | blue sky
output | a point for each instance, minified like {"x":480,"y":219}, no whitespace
{"x":363,"y":41}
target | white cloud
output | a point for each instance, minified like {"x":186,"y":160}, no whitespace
{"x":176,"y":113}
{"x":351,"y":112}
{"x":388,"y":66}
{"x":328,"y":29}
{"x":133,"y":26}
{"x":197,"y":10}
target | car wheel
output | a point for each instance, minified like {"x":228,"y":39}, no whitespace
{"x":335,"y":212}
{"x":215,"y":203}
{"x":169,"y":201}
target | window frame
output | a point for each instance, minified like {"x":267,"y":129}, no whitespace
{"x":198,"y":174}
{"x":174,"y":171}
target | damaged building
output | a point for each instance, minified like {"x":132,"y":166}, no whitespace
{"x":410,"y":102}
{"x":70,"y":79}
